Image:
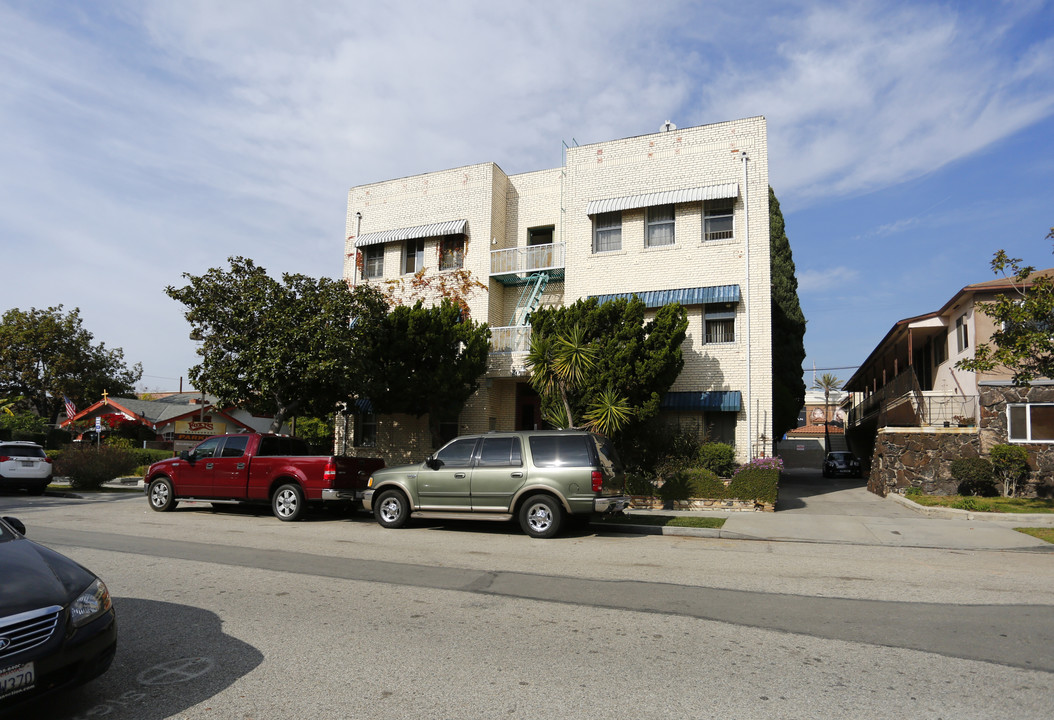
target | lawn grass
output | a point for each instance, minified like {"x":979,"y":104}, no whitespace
{"x":666,"y":521}
{"x":1045,"y":533}
{"x":987,"y":504}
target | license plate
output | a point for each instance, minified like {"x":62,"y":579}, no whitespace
{"x":16,"y":679}
{"x":27,"y":463}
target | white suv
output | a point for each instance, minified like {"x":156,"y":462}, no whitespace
{"x":24,"y":465}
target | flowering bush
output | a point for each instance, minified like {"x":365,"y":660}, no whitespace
{"x":765,"y":463}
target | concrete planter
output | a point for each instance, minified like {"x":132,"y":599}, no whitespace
{"x":643,"y":502}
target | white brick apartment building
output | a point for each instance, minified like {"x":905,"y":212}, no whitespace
{"x":680,"y":215}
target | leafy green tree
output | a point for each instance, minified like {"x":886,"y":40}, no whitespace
{"x":279,"y":347}
{"x":560,"y":365}
{"x":633,"y":359}
{"x":1010,"y":464}
{"x":427,"y":360}
{"x":45,"y":354}
{"x":788,"y":327}
{"x":1024,"y":339}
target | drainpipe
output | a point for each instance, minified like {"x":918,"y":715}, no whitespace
{"x":746,"y":302}
{"x":355,"y":261}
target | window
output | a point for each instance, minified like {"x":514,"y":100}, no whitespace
{"x":365,"y":430}
{"x":719,"y":323}
{"x":447,"y":430}
{"x":452,"y":252}
{"x":283,"y":446}
{"x":415,"y":256}
{"x":560,"y":451}
{"x":940,"y":349}
{"x":1032,"y":422}
{"x":501,"y":452}
{"x":659,"y":226}
{"x":540,"y":235}
{"x":457,"y":454}
{"x":206,"y":449}
{"x":718,"y":219}
{"x":607,"y":236}
{"x":962,"y":334}
{"x":373,"y":262}
{"x":235,"y":446}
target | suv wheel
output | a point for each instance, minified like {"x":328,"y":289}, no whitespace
{"x":391,"y":509}
{"x":541,"y":516}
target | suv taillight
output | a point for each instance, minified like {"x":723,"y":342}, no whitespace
{"x":4,"y":458}
{"x":598,"y":480}
{"x":330,"y":471}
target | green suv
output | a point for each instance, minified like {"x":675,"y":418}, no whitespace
{"x":537,"y":476}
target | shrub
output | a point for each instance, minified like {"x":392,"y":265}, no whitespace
{"x":88,"y":468}
{"x":640,"y":485}
{"x":657,"y":450}
{"x":704,"y":483}
{"x":974,"y":476}
{"x":913,"y":491}
{"x":1010,"y":464}
{"x":969,"y":503}
{"x":676,"y":487}
{"x":758,"y":480}
{"x":719,"y":458}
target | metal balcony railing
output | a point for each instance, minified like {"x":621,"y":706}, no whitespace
{"x":527,"y":259}
{"x":516,"y":338}
{"x":903,"y":403}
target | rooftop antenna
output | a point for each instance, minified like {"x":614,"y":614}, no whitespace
{"x":667,"y":127}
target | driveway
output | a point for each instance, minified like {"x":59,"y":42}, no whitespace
{"x":806,"y":491}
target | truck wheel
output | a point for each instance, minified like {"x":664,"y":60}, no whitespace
{"x":391,"y":509}
{"x":162,"y":498}
{"x":288,"y":503}
{"x":541,"y":516}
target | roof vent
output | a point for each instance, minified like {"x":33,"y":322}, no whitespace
{"x":667,"y":127}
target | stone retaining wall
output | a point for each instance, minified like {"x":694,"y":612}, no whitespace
{"x":920,"y":457}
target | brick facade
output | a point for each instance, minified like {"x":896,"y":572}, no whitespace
{"x":502,"y":210}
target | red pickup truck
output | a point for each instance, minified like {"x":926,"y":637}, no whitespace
{"x":257,"y":468}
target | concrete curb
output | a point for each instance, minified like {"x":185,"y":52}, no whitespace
{"x":1016,"y":519}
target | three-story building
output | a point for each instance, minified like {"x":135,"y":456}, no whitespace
{"x":676,"y":216}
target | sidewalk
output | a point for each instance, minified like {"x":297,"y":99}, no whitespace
{"x":816,"y":510}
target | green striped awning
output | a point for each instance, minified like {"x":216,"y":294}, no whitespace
{"x":713,"y":400}
{"x":685,"y":296}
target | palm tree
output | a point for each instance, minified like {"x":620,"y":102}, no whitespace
{"x":826,"y":382}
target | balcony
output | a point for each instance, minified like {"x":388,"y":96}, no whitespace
{"x":515,"y":338}
{"x":509,"y":266}
{"x":902,"y":403}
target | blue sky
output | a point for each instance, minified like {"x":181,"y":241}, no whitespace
{"x":143,"y":139}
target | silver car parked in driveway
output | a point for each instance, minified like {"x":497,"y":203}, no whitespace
{"x":539,"y":477}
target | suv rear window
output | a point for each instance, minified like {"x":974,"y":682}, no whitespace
{"x":22,"y":451}
{"x":561,"y":451}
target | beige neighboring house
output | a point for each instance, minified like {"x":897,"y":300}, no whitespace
{"x":680,"y":215}
{"x":913,"y":411}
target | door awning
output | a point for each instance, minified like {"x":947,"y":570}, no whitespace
{"x":450,"y":227}
{"x":668,"y":197}
{"x":685,"y":296}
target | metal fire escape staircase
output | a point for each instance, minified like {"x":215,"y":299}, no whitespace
{"x":530,"y":298}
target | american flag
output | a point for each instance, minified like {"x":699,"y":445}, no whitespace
{"x":71,"y":409}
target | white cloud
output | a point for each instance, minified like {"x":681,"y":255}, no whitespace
{"x":826,"y":280}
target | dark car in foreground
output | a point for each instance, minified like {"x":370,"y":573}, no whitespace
{"x":57,"y":624}
{"x":841,"y":463}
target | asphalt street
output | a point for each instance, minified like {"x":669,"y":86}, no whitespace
{"x":235,"y":614}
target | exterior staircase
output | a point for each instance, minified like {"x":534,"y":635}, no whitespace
{"x":530,"y":298}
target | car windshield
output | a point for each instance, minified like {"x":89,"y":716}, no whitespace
{"x":13,"y":450}
{"x":840,"y":457}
